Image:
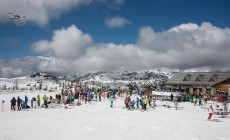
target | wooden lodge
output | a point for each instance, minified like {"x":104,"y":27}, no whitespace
{"x":200,"y":83}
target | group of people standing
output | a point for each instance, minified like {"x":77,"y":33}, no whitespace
{"x":21,"y":104}
{"x":34,"y":102}
{"x":140,"y":101}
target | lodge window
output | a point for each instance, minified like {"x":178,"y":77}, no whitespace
{"x":211,"y":79}
{"x":185,"y":79}
{"x":198,"y":79}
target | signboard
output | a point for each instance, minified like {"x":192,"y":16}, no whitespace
{"x":166,"y":93}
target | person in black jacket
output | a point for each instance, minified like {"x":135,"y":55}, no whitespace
{"x":19,"y":101}
{"x":13,"y":103}
{"x":171,"y":96}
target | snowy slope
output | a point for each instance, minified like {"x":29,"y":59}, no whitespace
{"x":97,"y":121}
{"x":36,"y":81}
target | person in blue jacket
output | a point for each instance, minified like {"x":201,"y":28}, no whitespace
{"x":133,"y":104}
{"x":142,"y":104}
{"x":199,"y":101}
{"x":26,"y":101}
{"x":137,"y":102}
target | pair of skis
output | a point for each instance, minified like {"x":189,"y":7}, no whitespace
{"x":214,"y":120}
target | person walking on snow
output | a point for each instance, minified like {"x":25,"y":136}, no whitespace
{"x":171,"y":97}
{"x":13,"y":103}
{"x":19,"y":101}
{"x":34,"y":101}
{"x":145,"y":101}
{"x":137,"y":102}
{"x":111,"y":101}
{"x":26,"y":101}
{"x":38,"y":99}
{"x":141,"y":103}
{"x":126,"y":102}
{"x":210,"y":111}
{"x":45,"y":98}
{"x":199,"y":101}
{"x":205,"y":99}
{"x":194,"y":100}
{"x":31,"y":103}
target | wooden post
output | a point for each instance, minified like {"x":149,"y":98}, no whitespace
{"x":2,"y":105}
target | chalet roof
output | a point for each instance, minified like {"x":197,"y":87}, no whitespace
{"x":198,"y":78}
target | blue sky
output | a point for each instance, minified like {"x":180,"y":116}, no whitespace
{"x":119,"y":22}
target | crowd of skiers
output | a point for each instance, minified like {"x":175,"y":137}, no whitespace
{"x":69,"y":96}
{"x":72,"y":97}
{"x":140,"y":102}
{"x":66,"y":96}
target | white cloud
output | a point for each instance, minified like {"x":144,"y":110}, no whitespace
{"x":69,"y":43}
{"x":203,"y":47}
{"x":42,"y":11}
{"x":189,"y":45}
{"x":114,"y":22}
{"x":184,"y":27}
{"x":18,"y":66}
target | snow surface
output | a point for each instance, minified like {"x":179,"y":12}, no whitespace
{"x":97,"y":121}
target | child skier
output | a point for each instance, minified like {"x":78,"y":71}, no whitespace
{"x":133,"y":104}
{"x":199,"y":101}
{"x":126,"y":102}
{"x":194,"y":100}
{"x":154,"y":102}
{"x":78,"y":103}
{"x":225,"y":106}
{"x":176,"y":104}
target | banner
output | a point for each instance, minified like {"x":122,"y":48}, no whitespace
{"x":160,"y":93}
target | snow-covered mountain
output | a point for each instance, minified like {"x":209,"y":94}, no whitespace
{"x":46,"y":76}
{"x":122,"y":76}
{"x":119,"y":78}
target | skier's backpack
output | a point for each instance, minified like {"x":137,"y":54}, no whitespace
{"x":126,"y":101}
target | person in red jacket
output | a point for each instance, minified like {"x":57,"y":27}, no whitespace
{"x":222,"y":98}
{"x":210,"y":112}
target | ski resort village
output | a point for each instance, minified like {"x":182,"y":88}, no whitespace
{"x":114,"y":70}
{"x":116,"y":105}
